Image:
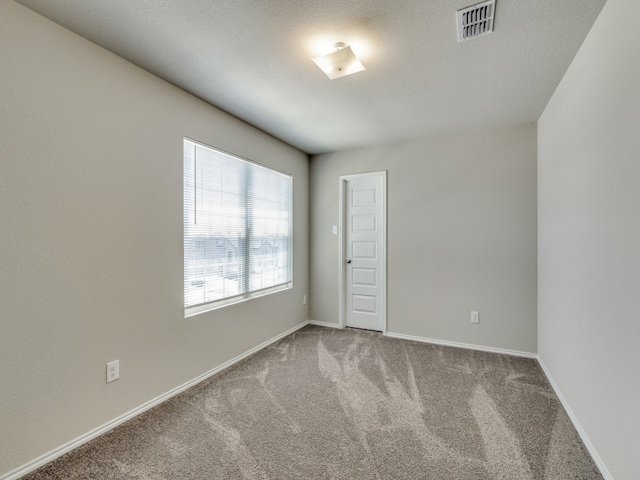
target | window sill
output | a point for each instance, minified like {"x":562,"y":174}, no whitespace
{"x":207,"y":307}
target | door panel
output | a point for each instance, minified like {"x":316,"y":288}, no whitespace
{"x":363,"y":250}
{"x":364,"y":240}
{"x":363,"y":223}
{"x":364,"y":304}
{"x":364,"y":277}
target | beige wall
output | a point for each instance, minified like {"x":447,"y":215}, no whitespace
{"x":589,"y":237}
{"x":91,"y":237}
{"x":461,"y":236}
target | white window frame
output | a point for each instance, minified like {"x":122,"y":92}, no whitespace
{"x":190,"y":311}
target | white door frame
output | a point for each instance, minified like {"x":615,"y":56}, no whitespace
{"x":342,"y":260}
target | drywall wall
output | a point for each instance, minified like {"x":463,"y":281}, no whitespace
{"x":91,"y":237}
{"x":461,"y":236}
{"x":589,"y":237}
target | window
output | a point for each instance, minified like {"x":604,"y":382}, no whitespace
{"x":237,"y":229}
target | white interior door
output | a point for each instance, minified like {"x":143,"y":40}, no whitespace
{"x":364,"y":251}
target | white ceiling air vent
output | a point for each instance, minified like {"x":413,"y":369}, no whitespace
{"x":476,"y":20}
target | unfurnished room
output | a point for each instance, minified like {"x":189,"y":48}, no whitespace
{"x":367,"y":239}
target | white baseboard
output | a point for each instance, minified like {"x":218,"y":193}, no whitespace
{"x":67,"y":447}
{"x":324,"y":324}
{"x":604,"y":471}
{"x":446,"y":343}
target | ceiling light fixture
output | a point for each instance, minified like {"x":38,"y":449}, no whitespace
{"x":339,"y":63}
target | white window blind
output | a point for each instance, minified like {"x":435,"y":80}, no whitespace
{"x":237,"y":226}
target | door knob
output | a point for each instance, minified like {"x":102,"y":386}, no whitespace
{"x":349,"y":261}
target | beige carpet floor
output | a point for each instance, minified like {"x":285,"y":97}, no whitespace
{"x":347,"y":404}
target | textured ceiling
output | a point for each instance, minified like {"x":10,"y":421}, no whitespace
{"x":251,"y":58}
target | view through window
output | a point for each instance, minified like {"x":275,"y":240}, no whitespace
{"x":237,"y":227}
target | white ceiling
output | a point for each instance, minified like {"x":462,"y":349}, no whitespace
{"x":251,"y":58}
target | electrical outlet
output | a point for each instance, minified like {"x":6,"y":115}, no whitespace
{"x":475,"y":317}
{"x":334,"y":230}
{"x":304,"y":299}
{"x":113,"y":371}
